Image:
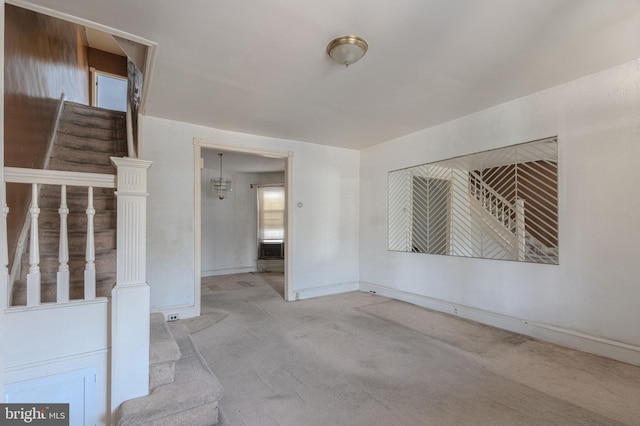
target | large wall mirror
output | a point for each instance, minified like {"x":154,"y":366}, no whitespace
{"x":498,"y":204}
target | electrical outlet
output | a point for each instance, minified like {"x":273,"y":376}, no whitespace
{"x":173,"y":317}
{"x":372,"y":292}
{"x":455,"y":311}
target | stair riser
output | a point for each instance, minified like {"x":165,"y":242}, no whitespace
{"x":90,"y":132}
{"x":50,"y":219}
{"x":115,"y":148}
{"x":75,"y":109}
{"x":78,"y":204}
{"x":75,"y":192}
{"x":48,"y":292}
{"x":76,"y":276}
{"x":74,"y":166}
{"x":114,"y":122}
{"x":82,"y":156}
{"x":49,"y":241}
{"x":161,"y":374}
{"x":105,"y":264}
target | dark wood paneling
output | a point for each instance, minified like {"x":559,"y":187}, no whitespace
{"x":43,"y":58}
{"x":107,"y":62}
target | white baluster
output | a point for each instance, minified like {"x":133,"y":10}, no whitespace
{"x":90,"y":267}
{"x":4,"y":252}
{"x":33,"y":277}
{"x":521,"y":233}
{"x":63,"y":250}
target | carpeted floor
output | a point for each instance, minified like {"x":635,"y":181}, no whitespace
{"x":358,"y":359}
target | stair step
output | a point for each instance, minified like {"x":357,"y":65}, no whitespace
{"x":113,"y":120}
{"x":105,"y":263}
{"x":108,"y":132}
{"x":104,"y":219}
{"x":115,"y":148}
{"x":77,"y":197}
{"x":49,"y":240}
{"x":192,"y":399}
{"x":48,"y":290}
{"x":75,"y":192}
{"x":57,"y":163}
{"x":163,"y":352}
{"x":65,"y":153}
{"x":91,"y":111}
{"x":79,"y":202}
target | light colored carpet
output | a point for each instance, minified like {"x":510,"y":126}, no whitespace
{"x":358,"y":359}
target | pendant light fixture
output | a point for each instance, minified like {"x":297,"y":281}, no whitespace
{"x":221,"y":185}
{"x":347,"y":50}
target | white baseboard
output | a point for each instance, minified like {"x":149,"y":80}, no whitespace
{"x":328,"y":290}
{"x":570,"y":338}
{"x":228,"y":271}
{"x":183,"y":311}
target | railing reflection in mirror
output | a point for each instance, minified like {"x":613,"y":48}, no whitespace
{"x":497,"y":204}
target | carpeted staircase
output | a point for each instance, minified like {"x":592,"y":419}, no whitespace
{"x":183,"y":390}
{"x":86,"y":139}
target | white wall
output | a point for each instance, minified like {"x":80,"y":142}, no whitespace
{"x":591,"y":299}
{"x":229,"y":226}
{"x":63,"y":360}
{"x":325,"y":229}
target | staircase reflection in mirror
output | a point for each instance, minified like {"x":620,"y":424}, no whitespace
{"x":497,"y":204}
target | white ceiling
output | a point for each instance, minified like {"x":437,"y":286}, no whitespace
{"x":103,"y":41}
{"x":260,"y":66}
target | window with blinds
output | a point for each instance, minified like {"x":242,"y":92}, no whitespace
{"x":271,"y":214}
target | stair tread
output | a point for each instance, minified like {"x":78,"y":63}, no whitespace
{"x":66,"y":153}
{"x":98,"y":145}
{"x":80,"y":108}
{"x":58,"y":163}
{"x":48,"y":290}
{"x":162,"y":347}
{"x":195,"y":386}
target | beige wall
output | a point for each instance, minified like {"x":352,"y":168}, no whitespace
{"x":107,"y":62}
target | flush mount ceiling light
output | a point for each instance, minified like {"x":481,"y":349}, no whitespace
{"x":347,"y":50}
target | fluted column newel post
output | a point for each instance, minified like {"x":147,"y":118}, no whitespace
{"x":130,"y":296}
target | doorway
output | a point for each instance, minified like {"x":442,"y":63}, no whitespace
{"x":228,"y":230}
{"x":109,"y":91}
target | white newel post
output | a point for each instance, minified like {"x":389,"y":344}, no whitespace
{"x":130,"y":296}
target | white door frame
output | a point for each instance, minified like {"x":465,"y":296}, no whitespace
{"x":93,"y":95}
{"x":199,"y":144}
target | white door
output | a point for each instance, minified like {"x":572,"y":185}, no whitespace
{"x":110,"y":91}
